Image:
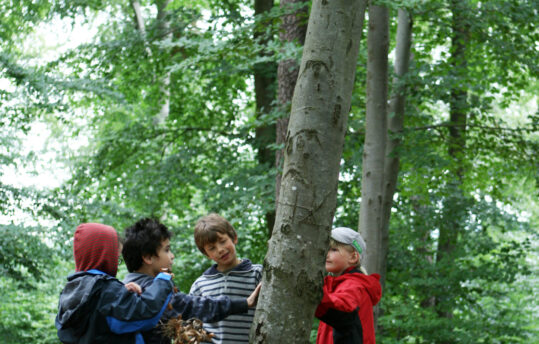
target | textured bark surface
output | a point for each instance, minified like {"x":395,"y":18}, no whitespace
{"x":372,"y":187}
{"x":294,"y":264}
{"x":293,"y":29}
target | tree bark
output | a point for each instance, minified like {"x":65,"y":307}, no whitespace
{"x":395,"y":125}
{"x":294,"y":264}
{"x":455,"y":204}
{"x":395,"y":122}
{"x":293,"y":29}
{"x":372,"y":182}
{"x":163,"y":27}
{"x":139,"y":24}
{"x":458,"y":109}
{"x":265,"y":75}
{"x":139,"y":20}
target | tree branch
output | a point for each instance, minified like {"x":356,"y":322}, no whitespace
{"x":450,"y":125}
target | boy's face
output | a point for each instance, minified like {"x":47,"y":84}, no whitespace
{"x":339,"y":260}
{"x":223,"y":252}
{"x":163,"y":260}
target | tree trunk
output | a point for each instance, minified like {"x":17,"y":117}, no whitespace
{"x":458,"y":109}
{"x":395,"y":125}
{"x":372,"y":182}
{"x":163,"y":27}
{"x":455,"y":204}
{"x":293,"y":29}
{"x":139,"y":20}
{"x":265,"y":77}
{"x":139,"y":24}
{"x":395,"y":121}
{"x":294,"y":264}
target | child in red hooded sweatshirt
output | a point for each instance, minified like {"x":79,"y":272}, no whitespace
{"x":346,"y":309}
{"x":94,"y":306}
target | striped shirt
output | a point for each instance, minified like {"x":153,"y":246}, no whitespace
{"x":236,"y":283}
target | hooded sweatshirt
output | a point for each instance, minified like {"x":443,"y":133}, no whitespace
{"x":95,"y":246}
{"x":95,"y":307}
{"x":346,"y":309}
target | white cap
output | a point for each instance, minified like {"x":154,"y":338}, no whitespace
{"x":350,"y":237}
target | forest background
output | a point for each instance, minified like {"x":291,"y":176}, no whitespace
{"x":172,"y":109}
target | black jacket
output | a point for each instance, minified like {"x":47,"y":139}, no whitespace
{"x":97,"y":308}
{"x":207,"y":309}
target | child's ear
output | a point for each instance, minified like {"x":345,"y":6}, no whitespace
{"x":355,"y":258}
{"x":235,"y":240}
{"x":147,"y":259}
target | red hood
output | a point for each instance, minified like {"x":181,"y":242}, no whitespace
{"x":95,"y":246}
{"x":371,"y":283}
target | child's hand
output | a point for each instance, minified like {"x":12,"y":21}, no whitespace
{"x":133,"y":287}
{"x":253,"y":298}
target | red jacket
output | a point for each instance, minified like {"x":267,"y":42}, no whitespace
{"x":346,"y":308}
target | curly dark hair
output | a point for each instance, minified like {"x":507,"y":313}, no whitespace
{"x":142,"y":239}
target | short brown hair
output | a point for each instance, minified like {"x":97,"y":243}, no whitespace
{"x":207,"y":228}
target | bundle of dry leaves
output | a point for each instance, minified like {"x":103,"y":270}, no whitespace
{"x":186,"y":331}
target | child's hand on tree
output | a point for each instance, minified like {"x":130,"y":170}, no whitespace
{"x":253,"y":298}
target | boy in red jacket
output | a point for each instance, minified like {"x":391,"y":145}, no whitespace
{"x":345,"y":311}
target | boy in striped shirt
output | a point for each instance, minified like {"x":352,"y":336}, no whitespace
{"x":146,"y":252}
{"x":237,"y":278}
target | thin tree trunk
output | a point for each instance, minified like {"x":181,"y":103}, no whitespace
{"x":265,"y":75}
{"x":372,"y":182}
{"x":139,"y":24}
{"x":293,"y":29}
{"x":395,"y":122}
{"x":395,"y":125}
{"x":294,"y":264}
{"x":458,"y":109}
{"x":455,"y":205}
{"x":139,"y":20}
{"x":163,"y":28}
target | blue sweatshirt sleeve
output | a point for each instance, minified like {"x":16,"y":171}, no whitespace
{"x":128,"y":312}
{"x":207,"y":309}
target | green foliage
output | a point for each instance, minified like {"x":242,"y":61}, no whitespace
{"x":457,"y":299}
{"x":202,"y":158}
{"x":23,"y":252}
{"x":28,"y":308}
{"x":477,"y":280}
{"x":19,"y":17}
